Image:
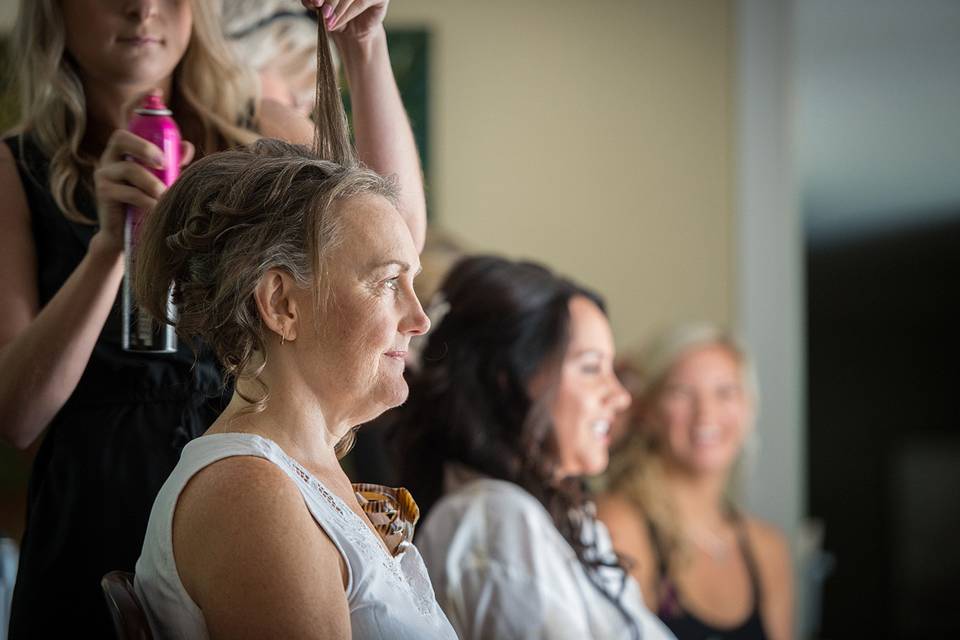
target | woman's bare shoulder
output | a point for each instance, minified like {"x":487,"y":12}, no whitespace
{"x":771,"y":547}
{"x":767,"y":537}
{"x":241,"y":523}
{"x":618,"y":507}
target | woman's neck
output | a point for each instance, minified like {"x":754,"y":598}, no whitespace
{"x":698,"y":498}
{"x":297,"y":426}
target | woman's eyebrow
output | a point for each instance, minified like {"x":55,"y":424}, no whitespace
{"x":588,"y":352}
{"x":404,"y":266}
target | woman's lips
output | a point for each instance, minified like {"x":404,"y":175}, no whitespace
{"x":139,"y":41}
{"x":396,"y":355}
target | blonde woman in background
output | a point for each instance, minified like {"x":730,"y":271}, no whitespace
{"x":708,"y":569}
{"x":115,"y":422}
{"x":278,"y":39}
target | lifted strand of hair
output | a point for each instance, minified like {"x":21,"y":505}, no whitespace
{"x":331,"y":138}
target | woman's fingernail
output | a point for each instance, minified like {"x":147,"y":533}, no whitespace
{"x":331,"y":23}
{"x":327,"y":11}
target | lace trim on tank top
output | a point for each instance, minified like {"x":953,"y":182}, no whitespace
{"x":360,"y":535}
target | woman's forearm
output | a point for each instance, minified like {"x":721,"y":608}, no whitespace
{"x":43,"y":364}
{"x":382,"y":130}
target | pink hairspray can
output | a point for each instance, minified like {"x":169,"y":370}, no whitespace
{"x":152,"y":121}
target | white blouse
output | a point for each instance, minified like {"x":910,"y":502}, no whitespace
{"x":388,"y":596}
{"x":502,"y":570}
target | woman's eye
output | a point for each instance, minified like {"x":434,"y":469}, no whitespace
{"x":676,"y":391}
{"x":591,"y":369}
{"x":728,"y":392}
{"x":393,"y":283}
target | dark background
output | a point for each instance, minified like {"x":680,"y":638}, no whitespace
{"x":883,"y":436}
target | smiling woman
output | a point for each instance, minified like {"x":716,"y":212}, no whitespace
{"x":705,"y":567}
{"x":508,"y":411}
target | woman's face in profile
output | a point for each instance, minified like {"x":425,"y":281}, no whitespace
{"x":589,"y":395}
{"x":354,"y":359}
{"x":701,"y":410}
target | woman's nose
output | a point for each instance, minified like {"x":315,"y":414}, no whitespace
{"x":140,"y":9}
{"x":704,"y":410}
{"x":417,"y":322}
{"x":619,"y":397}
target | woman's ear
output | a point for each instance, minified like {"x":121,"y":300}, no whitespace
{"x":277,"y":304}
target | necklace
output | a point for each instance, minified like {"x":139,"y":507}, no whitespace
{"x":710,"y":542}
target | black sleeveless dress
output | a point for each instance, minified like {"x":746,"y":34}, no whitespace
{"x":108,"y":450}
{"x":685,"y":624}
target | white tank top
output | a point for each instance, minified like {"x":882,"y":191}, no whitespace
{"x":388,"y":596}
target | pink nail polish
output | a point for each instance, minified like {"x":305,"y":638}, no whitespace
{"x":331,"y":23}
{"x":327,"y":11}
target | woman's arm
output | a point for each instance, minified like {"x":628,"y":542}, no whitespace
{"x":44,"y":352}
{"x":253,"y":559}
{"x":776,"y":578}
{"x":382,"y":131}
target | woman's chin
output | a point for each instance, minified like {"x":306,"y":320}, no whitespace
{"x":709,"y":462}
{"x":596,"y":464}
{"x":395,"y":394}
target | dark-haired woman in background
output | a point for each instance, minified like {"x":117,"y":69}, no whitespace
{"x":508,"y":411}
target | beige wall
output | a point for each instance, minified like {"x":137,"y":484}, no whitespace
{"x":8,"y":14}
{"x":595,"y":136}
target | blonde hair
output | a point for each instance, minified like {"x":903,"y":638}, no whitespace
{"x":53,"y":103}
{"x":272,"y":36}
{"x":636,"y":468}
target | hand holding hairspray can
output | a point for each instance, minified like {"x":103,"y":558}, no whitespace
{"x":153,"y":122}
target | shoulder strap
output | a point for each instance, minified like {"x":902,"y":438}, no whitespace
{"x":743,"y":540}
{"x":667,"y":591}
{"x":658,"y":550}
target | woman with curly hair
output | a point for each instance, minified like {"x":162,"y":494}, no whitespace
{"x":509,"y":411}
